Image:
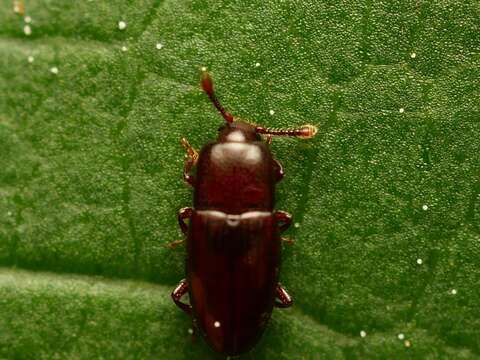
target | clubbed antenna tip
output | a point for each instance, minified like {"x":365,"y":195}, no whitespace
{"x":308,"y":131}
{"x":207,"y":86}
{"x":207,"y":83}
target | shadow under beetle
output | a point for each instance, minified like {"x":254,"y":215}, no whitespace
{"x":233,"y":235}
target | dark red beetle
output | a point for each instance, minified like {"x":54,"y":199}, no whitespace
{"x":233,"y":241}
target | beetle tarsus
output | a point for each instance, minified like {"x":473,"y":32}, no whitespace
{"x":288,"y":241}
{"x":174,"y":244}
{"x":178,"y":292}
{"x":282,"y":298}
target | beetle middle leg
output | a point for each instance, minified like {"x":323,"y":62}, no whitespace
{"x":190,"y":161}
{"x":177,"y":294}
{"x":285,"y":220}
{"x":282,"y":298}
{"x":184,"y":213}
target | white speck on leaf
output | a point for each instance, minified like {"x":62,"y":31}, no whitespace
{"x":401,"y":336}
{"x":18,"y":8}
{"x":413,"y":55}
{"x":27,"y":19}
{"x":425,"y":207}
{"x":159,"y":46}
{"x":27,"y":30}
{"x":30,"y":59}
{"x":204,"y":68}
{"x":257,"y":64}
{"x":54,"y":70}
{"x":407,"y":343}
{"x":272,"y":112}
{"x":401,"y":110}
{"x":9,"y":213}
{"x":124,"y":48}
{"x":419,"y":261}
{"x":297,"y":225}
{"x":363,"y":333}
{"x":122,"y":25}
{"x":190,"y":331}
{"x":453,"y":291}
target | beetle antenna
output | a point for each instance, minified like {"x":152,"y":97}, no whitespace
{"x":207,"y":86}
{"x":306,"y":131}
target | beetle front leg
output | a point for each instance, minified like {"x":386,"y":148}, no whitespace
{"x":185,"y":213}
{"x":177,"y":293}
{"x":282,"y":298}
{"x":190,"y":162}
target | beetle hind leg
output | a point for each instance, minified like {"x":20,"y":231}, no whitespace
{"x":178,"y":293}
{"x":282,"y":298}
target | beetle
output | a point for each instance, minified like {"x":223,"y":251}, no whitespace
{"x":233,"y":232}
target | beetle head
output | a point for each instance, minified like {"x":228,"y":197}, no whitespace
{"x":238,"y":131}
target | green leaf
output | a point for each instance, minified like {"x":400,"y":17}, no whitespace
{"x":386,"y":198}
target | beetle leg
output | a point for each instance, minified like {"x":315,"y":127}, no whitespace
{"x":278,"y":170}
{"x":288,"y":241}
{"x":184,"y":213}
{"x":190,"y":161}
{"x":174,"y":244}
{"x":178,"y":292}
{"x":282,"y":298}
{"x":284,"y":218}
